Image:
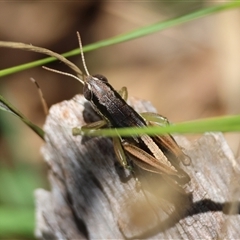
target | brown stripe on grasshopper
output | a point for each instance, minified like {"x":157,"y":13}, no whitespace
{"x":166,"y":142}
{"x":147,"y":161}
{"x":169,"y":146}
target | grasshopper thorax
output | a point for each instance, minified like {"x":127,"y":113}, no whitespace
{"x":94,"y":85}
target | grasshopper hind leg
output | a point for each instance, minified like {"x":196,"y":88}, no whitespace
{"x":155,"y":119}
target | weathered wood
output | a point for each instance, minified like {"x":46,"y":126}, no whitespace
{"x":92,"y":197}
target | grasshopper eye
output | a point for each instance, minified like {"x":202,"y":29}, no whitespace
{"x":100,"y":77}
{"x":87,"y":93}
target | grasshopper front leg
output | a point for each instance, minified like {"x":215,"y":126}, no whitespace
{"x":116,"y":141}
{"x":90,"y":126}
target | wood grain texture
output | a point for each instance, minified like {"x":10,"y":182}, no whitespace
{"x":92,"y":197}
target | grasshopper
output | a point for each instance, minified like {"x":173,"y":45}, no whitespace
{"x":157,"y":154}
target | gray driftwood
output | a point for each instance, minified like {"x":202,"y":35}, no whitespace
{"x":92,"y":197}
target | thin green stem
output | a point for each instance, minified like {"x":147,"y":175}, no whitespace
{"x":8,"y":107}
{"x":223,"y":124}
{"x":143,"y":31}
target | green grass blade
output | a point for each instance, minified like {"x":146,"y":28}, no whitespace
{"x":8,"y":107}
{"x":129,"y":36}
{"x":217,"y":124}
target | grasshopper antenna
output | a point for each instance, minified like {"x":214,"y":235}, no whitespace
{"x":63,"y":73}
{"x":83,"y":61}
{"x":32,"y":48}
{"x":82,"y":55}
{"x":43,"y":101}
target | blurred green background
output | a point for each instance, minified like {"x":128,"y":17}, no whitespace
{"x":188,"y":72}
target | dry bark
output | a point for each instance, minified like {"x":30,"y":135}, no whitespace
{"x":92,"y":197}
